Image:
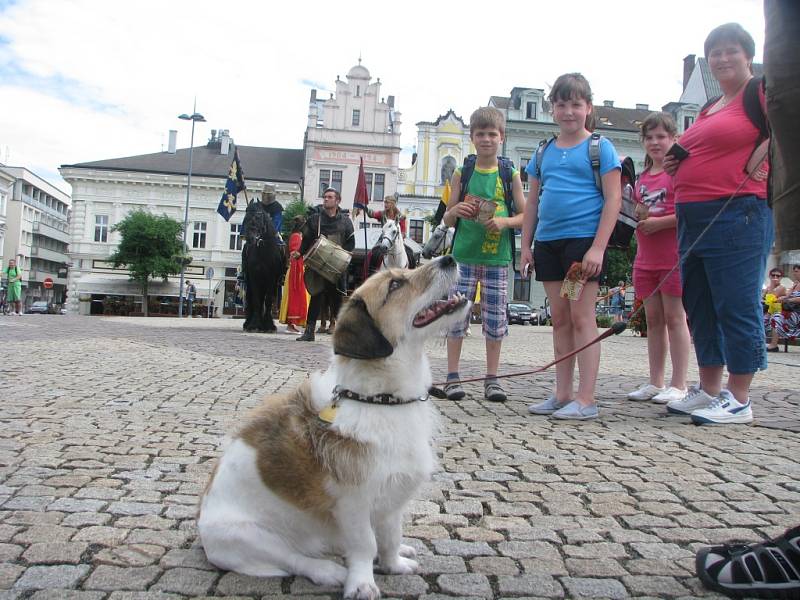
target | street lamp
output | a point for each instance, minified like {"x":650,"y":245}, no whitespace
{"x":194,"y":118}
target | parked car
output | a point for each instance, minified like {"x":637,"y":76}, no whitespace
{"x":520,"y":312}
{"x":41,"y":307}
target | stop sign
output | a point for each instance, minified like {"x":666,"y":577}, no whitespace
{"x":48,"y":283}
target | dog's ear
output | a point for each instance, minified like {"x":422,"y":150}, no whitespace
{"x":356,"y":334}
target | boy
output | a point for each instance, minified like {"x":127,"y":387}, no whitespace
{"x":482,"y":247}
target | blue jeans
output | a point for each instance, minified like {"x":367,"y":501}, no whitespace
{"x":722,"y":278}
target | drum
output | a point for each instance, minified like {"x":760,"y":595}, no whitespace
{"x":328,"y":259}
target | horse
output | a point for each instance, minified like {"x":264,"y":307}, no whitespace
{"x":390,"y":252}
{"x":264,"y":260}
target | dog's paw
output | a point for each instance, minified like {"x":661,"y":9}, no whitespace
{"x":364,"y":590}
{"x":400,"y":565}
{"x":407,"y":551}
{"x":329,"y":574}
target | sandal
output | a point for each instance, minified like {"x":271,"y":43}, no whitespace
{"x":493,"y":392}
{"x":454,"y":390}
{"x":769,"y":569}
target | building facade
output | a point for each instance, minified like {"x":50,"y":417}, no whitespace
{"x":442,"y":146}
{"x":35,"y":233}
{"x":105,"y":191}
{"x":355,"y":122}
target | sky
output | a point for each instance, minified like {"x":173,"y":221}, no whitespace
{"x":84,"y":80}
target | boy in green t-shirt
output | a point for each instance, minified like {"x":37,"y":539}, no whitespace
{"x":482,"y":247}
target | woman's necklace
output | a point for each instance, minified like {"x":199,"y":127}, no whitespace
{"x":725,"y":100}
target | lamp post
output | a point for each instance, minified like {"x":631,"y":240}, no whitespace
{"x":194,"y":118}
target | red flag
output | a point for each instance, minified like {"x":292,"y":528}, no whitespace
{"x":362,"y":194}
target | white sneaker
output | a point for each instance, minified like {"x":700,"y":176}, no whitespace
{"x":724,"y":409}
{"x":646,"y":392}
{"x":668,"y":395}
{"x":695,"y":398}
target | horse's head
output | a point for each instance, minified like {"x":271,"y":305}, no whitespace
{"x":389,"y":235}
{"x":261,"y":228}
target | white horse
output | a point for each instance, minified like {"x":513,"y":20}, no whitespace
{"x":391,"y":246}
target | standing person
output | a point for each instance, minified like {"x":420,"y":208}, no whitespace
{"x":656,"y":257}
{"x":572,"y":220}
{"x":191,"y":294}
{"x":483,"y":249}
{"x":390,"y":211}
{"x":14,"y":294}
{"x":724,"y":252}
{"x":294,"y":304}
{"x":618,"y":301}
{"x":338,"y":228}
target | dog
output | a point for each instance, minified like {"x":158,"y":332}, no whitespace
{"x":328,"y":469}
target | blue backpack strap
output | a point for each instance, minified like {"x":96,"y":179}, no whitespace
{"x":594,"y":158}
{"x":467,"y":169}
{"x":505,"y":167}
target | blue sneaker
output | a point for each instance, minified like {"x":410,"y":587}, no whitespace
{"x":548,"y":407}
{"x":724,"y":409}
{"x":577,"y":412}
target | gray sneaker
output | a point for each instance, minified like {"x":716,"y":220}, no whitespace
{"x":695,"y":399}
{"x":548,"y":407}
{"x":577,"y":412}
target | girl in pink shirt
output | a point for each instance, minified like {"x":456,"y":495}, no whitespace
{"x":656,"y":258}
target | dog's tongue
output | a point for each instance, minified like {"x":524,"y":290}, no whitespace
{"x":435,"y":310}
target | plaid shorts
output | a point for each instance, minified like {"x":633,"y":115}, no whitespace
{"x":494,"y":296}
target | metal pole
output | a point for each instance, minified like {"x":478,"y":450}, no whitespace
{"x":209,"y":299}
{"x":186,"y":218}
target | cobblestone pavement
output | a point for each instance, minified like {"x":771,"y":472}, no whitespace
{"x":110,"y":427}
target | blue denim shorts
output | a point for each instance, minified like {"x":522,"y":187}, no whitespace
{"x":722,"y":277}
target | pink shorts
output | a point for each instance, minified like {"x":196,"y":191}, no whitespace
{"x":646,"y":280}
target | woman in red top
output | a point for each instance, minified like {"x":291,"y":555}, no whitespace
{"x":724,"y":236}
{"x":297,"y":299}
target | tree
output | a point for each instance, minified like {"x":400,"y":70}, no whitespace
{"x":619,"y":264}
{"x":293,"y":209}
{"x":150,"y":247}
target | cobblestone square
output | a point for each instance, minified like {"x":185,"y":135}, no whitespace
{"x":111,"y":426}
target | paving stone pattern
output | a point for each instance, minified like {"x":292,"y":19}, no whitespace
{"x":109,"y":428}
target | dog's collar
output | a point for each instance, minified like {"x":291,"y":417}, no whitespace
{"x":340,"y":393}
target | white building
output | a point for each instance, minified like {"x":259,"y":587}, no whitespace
{"x":442,"y":146}
{"x":35,"y":233}
{"x":105,"y":191}
{"x":355,"y":122}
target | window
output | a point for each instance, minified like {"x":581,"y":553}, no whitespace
{"x":358,"y":93}
{"x":356,"y":117}
{"x":530,"y":110}
{"x":101,"y":228}
{"x":236,"y":237}
{"x":415,"y":229}
{"x":687,"y":122}
{"x":199,"y":236}
{"x":375,"y":186}
{"x":328,"y":178}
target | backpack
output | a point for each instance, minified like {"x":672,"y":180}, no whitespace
{"x":505,"y":170}
{"x":626,"y":220}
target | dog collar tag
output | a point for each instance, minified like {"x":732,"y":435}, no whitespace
{"x":328,"y":414}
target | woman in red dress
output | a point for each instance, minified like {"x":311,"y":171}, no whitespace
{"x":295,"y":288}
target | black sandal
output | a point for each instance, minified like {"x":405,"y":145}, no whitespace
{"x":768,"y":569}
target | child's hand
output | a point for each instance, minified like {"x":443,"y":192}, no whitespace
{"x":648,"y":226}
{"x":761,"y":173}
{"x":526,"y":262}
{"x":592,"y":262}
{"x":465,"y":210}
{"x":497,"y":224}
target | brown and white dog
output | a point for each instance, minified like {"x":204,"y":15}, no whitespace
{"x":304,"y":481}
